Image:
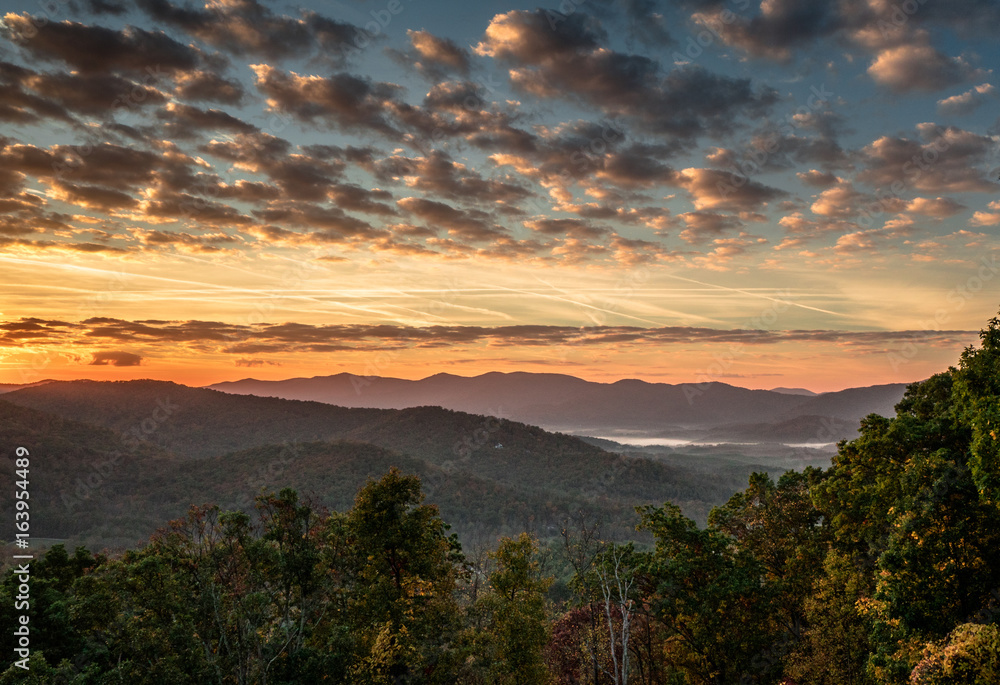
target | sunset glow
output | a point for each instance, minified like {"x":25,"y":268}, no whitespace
{"x":684,"y":193}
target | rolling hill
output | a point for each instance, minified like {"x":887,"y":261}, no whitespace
{"x":74,"y":467}
{"x":159,"y":447}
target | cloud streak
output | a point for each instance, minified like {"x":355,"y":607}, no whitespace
{"x":293,"y":338}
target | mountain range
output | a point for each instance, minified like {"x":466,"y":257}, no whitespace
{"x":110,"y":461}
{"x":707,"y":411}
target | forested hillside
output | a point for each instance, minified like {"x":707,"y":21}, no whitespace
{"x":85,"y":476}
{"x":198,"y":423}
{"x":883,"y":569}
{"x":151,"y":449}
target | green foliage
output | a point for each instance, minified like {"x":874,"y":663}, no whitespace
{"x":51,"y":581}
{"x":912,"y":508}
{"x":400,"y":573}
{"x":512,"y":615}
{"x":780,"y":528}
{"x":39,"y":672}
{"x":288,"y":595}
{"x":710,"y":599}
{"x":835,"y":642}
{"x":977,"y":387}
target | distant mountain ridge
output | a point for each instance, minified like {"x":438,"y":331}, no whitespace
{"x":796,"y":391}
{"x":566,"y":403}
{"x":11,"y":387}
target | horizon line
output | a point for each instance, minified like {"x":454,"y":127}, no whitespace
{"x":211,"y":386}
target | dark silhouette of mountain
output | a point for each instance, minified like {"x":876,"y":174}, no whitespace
{"x":566,"y":403}
{"x":198,"y":422}
{"x":119,"y":458}
{"x":11,"y":387}
{"x":795,"y":391}
{"x":852,"y":404}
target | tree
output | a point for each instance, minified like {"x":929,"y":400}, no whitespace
{"x":516,"y":630}
{"x":400,"y":572}
{"x":710,"y":599}
{"x":52,"y":578}
{"x":977,"y":387}
{"x":778,"y":525}
{"x":616,"y":578}
{"x":970,"y":655}
{"x":836,"y":642}
{"x":911,"y":504}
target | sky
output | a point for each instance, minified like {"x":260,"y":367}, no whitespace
{"x":797,"y":193}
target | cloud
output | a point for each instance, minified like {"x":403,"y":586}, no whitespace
{"x":578,"y":172}
{"x":352,"y":197}
{"x":859,"y":241}
{"x":342,"y":99}
{"x":115,"y":359}
{"x":967,"y":102}
{"x":256,"y":363}
{"x":918,"y":67}
{"x":646,"y":22}
{"x":107,"y":170}
{"x":32,"y":96}
{"x":20,"y":105}
{"x":291,"y":337}
{"x":817,"y":179}
{"x":703,"y":225}
{"x":186,"y":121}
{"x":896,"y":33}
{"x":99,"y":7}
{"x":720,"y":190}
{"x":469,"y":224}
{"x":634,"y":251}
{"x":100,"y":50}
{"x":576,"y":150}
{"x":777,"y":147}
{"x":249,"y":28}
{"x":840,"y":201}
{"x":802,"y":230}
{"x":437,"y":56}
{"x":251,"y":152}
{"x":874,"y":240}
{"x":456,"y":96}
{"x":940,"y":159}
{"x":296,"y":176}
{"x":125,"y":183}
{"x":984,"y":219}
{"x":781,"y":26}
{"x":638,"y":165}
{"x":570,"y":228}
{"x":725,"y":250}
{"x":938,"y":208}
{"x":185,"y":242}
{"x":987,"y":218}
{"x":568,"y":59}
{"x":327,"y":224}
{"x":438,"y":174}
{"x":92,"y":197}
{"x":208,"y":86}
